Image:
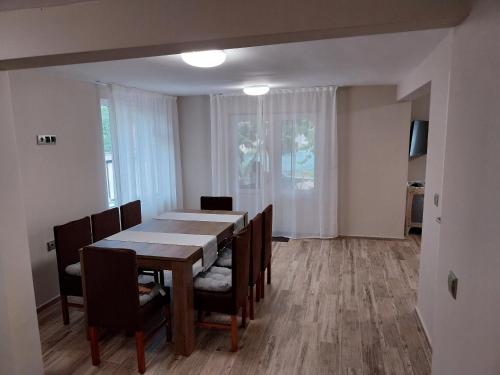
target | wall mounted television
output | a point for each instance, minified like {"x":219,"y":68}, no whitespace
{"x":418,"y":138}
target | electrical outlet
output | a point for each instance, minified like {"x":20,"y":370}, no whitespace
{"x":51,"y":245}
{"x":452,"y":284}
{"x":46,"y":139}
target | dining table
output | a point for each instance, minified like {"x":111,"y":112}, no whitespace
{"x":179,"y":258}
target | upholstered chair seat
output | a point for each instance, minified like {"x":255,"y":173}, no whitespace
{"x":225,"y":258}
{"x":197,"y":268}
{"x":216,"y":279}
{"x":213,"y":292}
{"x":74,"y":269}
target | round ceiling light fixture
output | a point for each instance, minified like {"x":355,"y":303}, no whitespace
{"x":204,"y":59}
{"x":256,"y":90}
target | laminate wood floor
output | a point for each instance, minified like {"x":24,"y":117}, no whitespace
{"x":341,"y":306}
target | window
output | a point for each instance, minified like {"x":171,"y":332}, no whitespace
{"x":108,"y":153}
{"x":279,"y":148}
{"x":297,"y":153}
{"x":252,"y":158}
{"x":247,"y":154}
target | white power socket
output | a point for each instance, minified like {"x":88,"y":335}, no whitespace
{"x":46,"y":139}
{"x":51,"y":245}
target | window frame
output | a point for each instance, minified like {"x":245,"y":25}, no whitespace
{"x":110,"y":178}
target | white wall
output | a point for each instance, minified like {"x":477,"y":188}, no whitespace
{"x":194,"y":130}
{"x":20,"y":351}
{"x":373,"y":154}
{"x":61,"y":182}
{"x":373,"y":161}
{"x":416,"y":168}
{"x":467,"y":330}
{"x":433,"y":71}
{"x":420,"y":108}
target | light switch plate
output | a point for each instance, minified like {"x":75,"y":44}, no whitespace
{"x":452,"y":284}
{"x":43,"y":139}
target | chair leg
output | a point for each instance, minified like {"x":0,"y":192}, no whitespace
{"x":168,"y":323}
{"x":261,"y":286}
{"x":65,"y":310}
{"x":139,"y":343}
{"x":234,"y":333}
{"x":244,"y":314}
{"x":162,"y":278}
{"x":269,"y":273}
{"x":257,"y":288}
{"x":94,"y":346}
{"x":250,"y":299}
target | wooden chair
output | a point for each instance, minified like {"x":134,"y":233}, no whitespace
{"x":235,"y":298}
{"x":255,"y":273}
{"x":112,"y":299}
{"x":216,"y":203}
{"x":267,"y":246}
{"x":255,"y":262}
{"x":130,"y":214}
{"x":69,"y":238}
{"x":105,"y":224}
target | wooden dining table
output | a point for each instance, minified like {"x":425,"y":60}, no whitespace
{"x":179,"y":259}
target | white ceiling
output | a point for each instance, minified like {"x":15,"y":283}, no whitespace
{"x":363,"y":60}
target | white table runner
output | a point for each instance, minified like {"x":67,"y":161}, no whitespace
{"x":237,"y":220}
{"x":207,"y":242}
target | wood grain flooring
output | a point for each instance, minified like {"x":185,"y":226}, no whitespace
{"x":335,"y":307}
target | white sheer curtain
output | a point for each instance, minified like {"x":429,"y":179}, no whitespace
{"x":279,"y":148}
{"x":145,"y":148}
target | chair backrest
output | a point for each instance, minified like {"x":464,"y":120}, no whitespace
{"x":110,"y":288}
{"x":216,"y":203}
{"x":267,"y":226}
{"x":105,"y":224}
{"x":255,"y":248}
{"x":241,"y":265}
{"x":130,"y":214}
{"x":69,"y":238}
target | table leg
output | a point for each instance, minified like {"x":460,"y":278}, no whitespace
{"x":182,"y":274}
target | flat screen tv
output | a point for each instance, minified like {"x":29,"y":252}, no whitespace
{"x":418,"y":138}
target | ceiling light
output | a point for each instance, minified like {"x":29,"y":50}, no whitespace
{"x":204,"y":59}
{"x":256,"y":90}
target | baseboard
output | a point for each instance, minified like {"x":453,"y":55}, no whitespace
{"x":47,"y":304}
{"x":423,"y":326}
{"x":280,"y":239}
{"x":340,"y":237}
